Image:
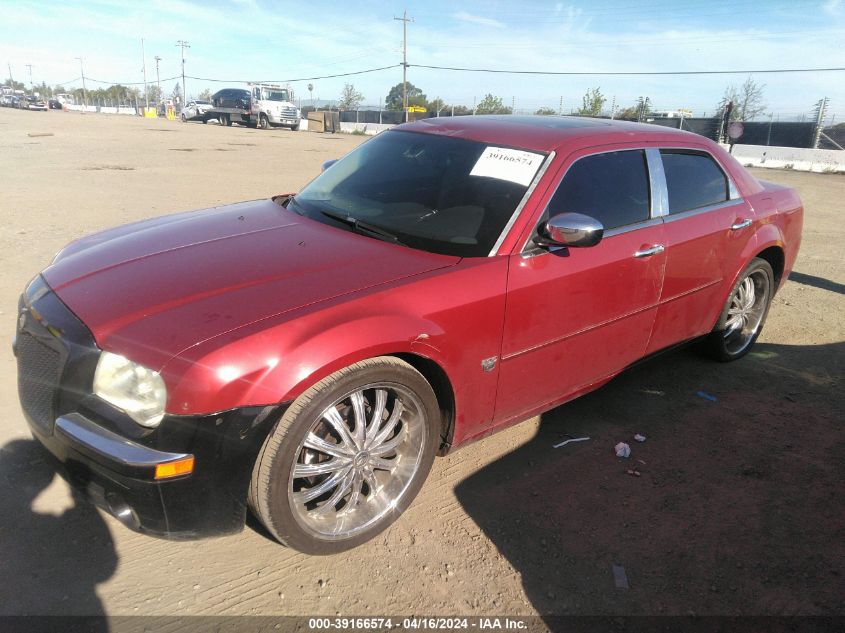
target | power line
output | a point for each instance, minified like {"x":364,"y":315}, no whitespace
{"x":282,"y":81}
{"x":126,"y":83}
{"x":664,"y":72}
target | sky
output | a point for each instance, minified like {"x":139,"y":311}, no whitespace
{"x":244,"y":40}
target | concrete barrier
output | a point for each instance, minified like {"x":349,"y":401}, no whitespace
{"x":370,"y":129}
{"x":818,"y":160}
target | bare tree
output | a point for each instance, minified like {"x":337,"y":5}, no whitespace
{"x":747,"y":100}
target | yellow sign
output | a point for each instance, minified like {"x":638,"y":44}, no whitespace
{"x":416,"y":109}
{"x":150,"y":113}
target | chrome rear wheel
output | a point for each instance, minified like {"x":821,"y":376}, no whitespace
{"x":744,"y":313}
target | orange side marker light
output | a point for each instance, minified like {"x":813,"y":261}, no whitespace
{"x":179,"y":467}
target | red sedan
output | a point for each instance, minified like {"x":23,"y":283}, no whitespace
{"x":307,"y":356}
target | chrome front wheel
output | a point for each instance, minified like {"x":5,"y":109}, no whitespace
{"x":357,"y":460}
{"x":348,"y":457}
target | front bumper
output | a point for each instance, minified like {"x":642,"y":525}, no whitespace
{"x":118,"y":474}
{"x":111,"y":459}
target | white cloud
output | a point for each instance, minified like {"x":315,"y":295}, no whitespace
{"x":477,"y":19}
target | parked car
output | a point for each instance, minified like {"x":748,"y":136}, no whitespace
{"x":31,"y":102}
{"x":195,"y":110}
{"x":231,"y":98}
{"x":54,"y":104}
{"x":308,"y":355}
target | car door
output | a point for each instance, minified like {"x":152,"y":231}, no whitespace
{"x":706,"y":227}
{"x":575,"y":316}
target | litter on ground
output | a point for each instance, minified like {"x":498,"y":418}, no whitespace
{"x":620,"y":578}
{"x":640,"y":438}
{"x":622,"y":450}
{"x":573,"y":439}
{"x":706,"y":396}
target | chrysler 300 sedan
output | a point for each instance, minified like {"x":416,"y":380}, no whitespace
{"x":307,"y":356}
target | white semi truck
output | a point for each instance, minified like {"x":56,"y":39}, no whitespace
{"x":262,"y":105}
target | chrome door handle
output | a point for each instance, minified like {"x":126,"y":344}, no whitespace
{"x":741,"y":224}
{"x":650,"y":250}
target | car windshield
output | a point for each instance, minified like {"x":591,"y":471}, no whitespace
{"x":435,"y":193}
{"x":275,"y":95}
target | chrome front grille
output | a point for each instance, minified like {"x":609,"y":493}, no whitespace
{"x":289,"y":112}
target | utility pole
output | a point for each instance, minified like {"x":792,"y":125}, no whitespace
{"x":184,"y":45}
{"x":613,"y":108}
{"x":404,"y":20}
{"x":158,"y":78}
{"x":11,"y":81}
{"x":513,"y":106}
{"x":29,"y":67}
{"x":144,"y":71}
{"x":560,"y":107}
{"x":84,"y":92}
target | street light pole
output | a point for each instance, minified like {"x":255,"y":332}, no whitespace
{"x":184,"y":45}
{"x":84,"y":92}
{"x":144,"y":71}
{"x":158,"y":79}
{"x":404,"y":20}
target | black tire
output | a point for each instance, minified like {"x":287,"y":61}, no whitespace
{"x":263,"y":121}
{"x":183,"y":118}
{"x":274,"y":487}
{"x":295,"y":128}
{"x":730,"y":339}
{"x":225,"y":119}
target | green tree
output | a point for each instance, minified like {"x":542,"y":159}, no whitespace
{"x":350,"y":98}
{"x":592,"y":103}
{"x":492,"y":105}
{"x":437,"y":105}
{"x":15,"y":85}
{"x":416,"y":97}
{"x":637,"y":112}
{"x":546,"y":111}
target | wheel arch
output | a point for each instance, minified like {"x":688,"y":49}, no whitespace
{"x":777,"y":259}
{"x":443,"y":391}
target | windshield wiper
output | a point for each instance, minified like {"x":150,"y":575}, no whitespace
{"x":363,"y":227}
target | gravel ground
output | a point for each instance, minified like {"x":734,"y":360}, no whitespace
{"x":738,"y":511}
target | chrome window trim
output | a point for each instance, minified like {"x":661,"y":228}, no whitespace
{"x":733,"y":192}
{"x":529,"y":250}
{"x":619,"y":230}
{"x":700,"y":210}
{"x":536,"y":181}
{"x":657,"y":182}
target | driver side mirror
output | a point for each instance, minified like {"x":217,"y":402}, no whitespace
{"x":570,"y":229}
{"x":328,"y":164}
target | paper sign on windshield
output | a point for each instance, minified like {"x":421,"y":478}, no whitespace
{"x":513,"y":165}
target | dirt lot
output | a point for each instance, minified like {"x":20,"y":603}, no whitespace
{"x":740,"y":508}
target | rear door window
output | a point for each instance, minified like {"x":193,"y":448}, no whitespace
{"x":611,"y":187}
{"x":693,"y":179}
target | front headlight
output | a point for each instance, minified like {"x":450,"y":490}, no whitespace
{"x":132,"y":388}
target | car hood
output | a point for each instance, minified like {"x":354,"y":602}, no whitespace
{"x":153,"y":289}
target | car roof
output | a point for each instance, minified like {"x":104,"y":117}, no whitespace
{"x":546,"y":133}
